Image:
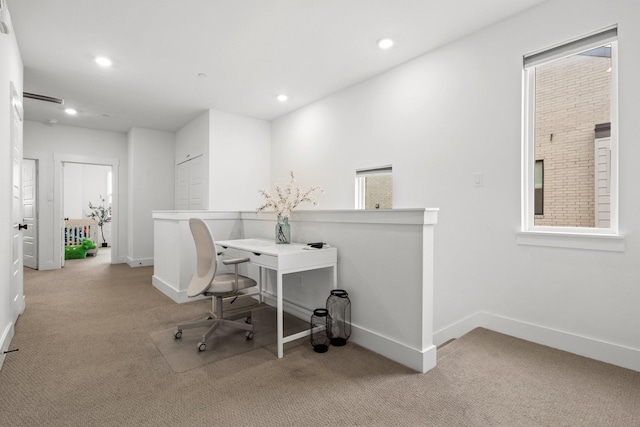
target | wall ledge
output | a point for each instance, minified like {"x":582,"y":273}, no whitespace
{"x":185,"y":215}
{"x":417,"y":216}
{"x":420,"y":216}
{"x":599,"y":242}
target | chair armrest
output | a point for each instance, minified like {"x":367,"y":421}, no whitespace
{"x":234,"y":261}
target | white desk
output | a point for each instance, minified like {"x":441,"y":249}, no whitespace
{"x":284,"y":259}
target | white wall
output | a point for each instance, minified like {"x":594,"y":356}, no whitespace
{"x":151,"y":181}
{"x":192,"y":142}
{"x":10,"y":71}
{"x":454,"y":112}
{"x":193,"y":139}
{"x":239,"y":161}
{"x":73,"y":194}
{"x":48,"y":144}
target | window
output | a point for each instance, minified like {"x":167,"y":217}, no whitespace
{"x":570,"y":161}
{"x":538,"y":187}
{"x":374,"y":188}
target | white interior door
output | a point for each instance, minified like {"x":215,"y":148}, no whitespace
{"x":30,"y":213}
{"x":16,"y":286}
{"x":182,"y":186}
{"x":196,"y":183}
{"x":190,"y":184}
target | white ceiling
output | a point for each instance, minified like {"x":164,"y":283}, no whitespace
{"x":250,"y":50}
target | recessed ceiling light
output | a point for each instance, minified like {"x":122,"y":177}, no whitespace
{"x":282,"y":98}
{"x":103,"y":61}
{"x":385,"y":43}
{"x":71,"y":111}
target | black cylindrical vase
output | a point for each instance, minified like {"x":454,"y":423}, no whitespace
{"x":320,"y":324}
{"x":339,"y":308}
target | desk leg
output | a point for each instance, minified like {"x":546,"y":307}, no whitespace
{"x":261,"y":279}
{"x":335,"y":276}
{"x":279,"y":310}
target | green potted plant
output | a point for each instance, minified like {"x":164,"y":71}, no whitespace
{"x":102,"y":215}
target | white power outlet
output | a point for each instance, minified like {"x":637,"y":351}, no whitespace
{"x":300,"y":281}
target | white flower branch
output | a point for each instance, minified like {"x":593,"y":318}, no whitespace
{"x":288,"y":199}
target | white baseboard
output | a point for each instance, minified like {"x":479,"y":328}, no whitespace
{"x":176,"y":295}
{"x":5,"y":340}
{"x":603,"y":351}
{"x":120,"y":260}
{"x":421,"y":361}
{"x":144,"y":262}
{"x":460,"y":328}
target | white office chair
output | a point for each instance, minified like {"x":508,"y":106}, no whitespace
{"x":205,"y":282}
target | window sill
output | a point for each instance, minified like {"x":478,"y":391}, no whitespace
{"x":550,"y":239}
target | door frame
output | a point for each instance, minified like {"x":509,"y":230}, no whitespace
{"x":16,"y":273}
{"x":58,"y":205}
{"x":36,"y":221}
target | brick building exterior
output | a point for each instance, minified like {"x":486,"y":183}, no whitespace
{"x":572,"y":96}
{"x":378,"y":192}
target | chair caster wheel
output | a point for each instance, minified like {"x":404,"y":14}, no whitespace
{"x":249,"y":335}
{"x":247,"y":320}
{"x":202,"y":346}
{"x":178,"y":334}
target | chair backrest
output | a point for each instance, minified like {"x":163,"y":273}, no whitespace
{"x":206,"y":259}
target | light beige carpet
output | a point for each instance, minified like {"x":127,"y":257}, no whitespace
{"x":87,"y":359}
{"x":183,"y":355}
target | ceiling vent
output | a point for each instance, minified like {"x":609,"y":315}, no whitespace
{"x":45,"y":98}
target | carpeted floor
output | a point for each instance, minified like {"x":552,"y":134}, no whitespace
{"x":183,"y":355}
{"x":86,"y":358}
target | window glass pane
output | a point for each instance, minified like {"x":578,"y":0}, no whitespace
{"x":537,"y":175}
{"x":572,"y":96}
{"x":374,"y":188}
{"x":378,"y":192}
{"x":538,"y":185}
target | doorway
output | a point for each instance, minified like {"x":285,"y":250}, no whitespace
{"x":86,"y":186}
{"x":30,"y":212}
{"x":85,"y":176}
